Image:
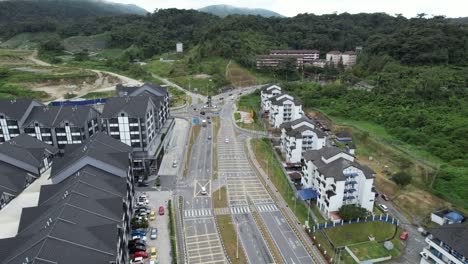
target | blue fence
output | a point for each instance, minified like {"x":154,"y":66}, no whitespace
{"x":82,"y":102}
{"x":385,"y":218}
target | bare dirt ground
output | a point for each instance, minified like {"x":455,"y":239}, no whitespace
{"x":201,"y":76}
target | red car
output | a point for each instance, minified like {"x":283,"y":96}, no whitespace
{"x":404,"y":236}
{"x":161,"y":210}
{"x":385,"y":197}
{"x":142,"y":254}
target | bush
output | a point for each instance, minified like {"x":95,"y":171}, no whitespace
{"x":350,"y":212}
{"x":69,"y":95}
{"x":237,"y":116}
{"x":402,"y":178}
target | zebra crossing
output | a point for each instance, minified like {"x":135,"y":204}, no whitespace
{"x":267,"y":208}
{"x":240,"y":210}
{"x":197,"y":213}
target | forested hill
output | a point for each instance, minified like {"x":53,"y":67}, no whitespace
{"x":13,"y":11}
{"x":226,"y":10}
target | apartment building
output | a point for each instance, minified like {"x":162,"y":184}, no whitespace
{"x":298,"y":136}
{"x":284,"y":108}
{"x":333,"y":57}
{"x":84,"y":215}
{"x":266,"y":93}
{"x":159,"y":94}
{"x":337,"y":179}
{"x":347,"y":58}
{"x":273,"y":61}
{"x":22,"y":160}
{"x":12,"y":115}
{"x":62,"y":125}
{"x":308,"y":55}
{"x":446,"y":244}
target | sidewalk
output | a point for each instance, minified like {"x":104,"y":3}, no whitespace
{"x":286,"y":210}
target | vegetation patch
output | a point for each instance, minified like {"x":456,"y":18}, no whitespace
{"x":97,"y":95}
{"x":251,"y":103}
{"x":229,"y":237}
{"x":220,"y":198}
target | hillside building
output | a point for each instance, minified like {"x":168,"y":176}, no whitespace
{"x":446,"y":244}
{"x":284,"y":108}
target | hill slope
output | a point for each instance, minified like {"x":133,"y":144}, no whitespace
{"x":226,"y":10}
{"x":12,"y":11}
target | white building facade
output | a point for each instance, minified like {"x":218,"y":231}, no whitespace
{"x":298,"y":136}
{"x":267,"y":93}
{"x":283,"y":109}
{"x":338,"y":180}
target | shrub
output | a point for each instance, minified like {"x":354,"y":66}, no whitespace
{"x":402,"y":178}
{"x":350,"y":212}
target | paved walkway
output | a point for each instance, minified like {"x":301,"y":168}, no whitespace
{"x":285,"y":208}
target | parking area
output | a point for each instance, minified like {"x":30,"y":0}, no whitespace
{"x":162,"y":242}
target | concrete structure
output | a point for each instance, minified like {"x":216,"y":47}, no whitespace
{"x":284,"y":108}
{"x":273,"y":61}
{"x":298,"y":136}
{"x":12,"y":115}
{"x":333,"y":57}
{"x":446,"y":217}
{"x":84,"y":216}
{"x":62,"y":125}
{"x":347,"y":58}
{"x":447,"y":244}
{"x":266,"y":93}
{"x":337,"y":179}
{"x":22,"y":160}
{"x":308,"y":55}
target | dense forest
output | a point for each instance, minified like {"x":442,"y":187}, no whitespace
{"x":417,"y":67}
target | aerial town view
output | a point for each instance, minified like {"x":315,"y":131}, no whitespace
{"x":233,"y":132}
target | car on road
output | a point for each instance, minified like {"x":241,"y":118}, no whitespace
{"x":209,"y":137}
{"x":154,"y":233}
{"x":141,"y":254}
{"x":203,"y":190}
{"x":137,"y":260}
{"x":226,"y":140}
{"x":385,"y":197}
{"x":152,"y":216}
{"x":404,"y":235}
{"x":161,"y":210}
{"x":174,"y":164}
{"x":383,"y":208}
{"x":202,"y":113}
{"x":153,"y":253}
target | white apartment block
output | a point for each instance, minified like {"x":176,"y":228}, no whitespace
{"x":266,"y":93}
{"x":347,"y":58}
{"x":446,"y":244}
{"x":338,"y":180}
{"x":284,"y":108}
{"x":298,"y":136}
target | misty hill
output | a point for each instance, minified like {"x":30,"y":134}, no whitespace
{"x":27,"y":10}
{"x":226,"y":10}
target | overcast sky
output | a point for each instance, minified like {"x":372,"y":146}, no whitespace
{"x":409,"y":8}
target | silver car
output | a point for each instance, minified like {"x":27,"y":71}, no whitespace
{"x":154,"y":233}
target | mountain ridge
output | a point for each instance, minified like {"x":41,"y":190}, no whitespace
{"x":226,"y":10}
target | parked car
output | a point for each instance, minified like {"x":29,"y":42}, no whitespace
{"x":137,"y":260}
{"x":154,"y":233}
{"x":404,"y":235}
{"x":142,"y":254}
{"x":209,"y":137}
{"x":385,"y":197}
{"x":383,"y":208}
{"x":152,"y":216}
{"x":174,"y":164}
{"x":139,"y":237}
{"x":138,"y":233}
{"x":134,"y":249}
{"x":161,"y":210}
{"x":226,"y":140}
{"x":136,"y":242}
{"x":153,"y":253}
{"x":143,"y":207}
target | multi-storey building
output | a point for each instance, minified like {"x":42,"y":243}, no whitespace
{"x":22,"y":160}
{"x":284,"y":108}
{"x":349,"y":58}
{"x":333,"y":57}
{"x":298,"y":136}
{"x":446,"y":244}
{"x":159,"y":94}
{"x":62,"y":125}
{"x":273,"y":61}
{"x":84,"y":215}
{"x":12,"y":115}
{"x":308,"y":55}
{"x":338,"y":180}
{"x":266,"y":93}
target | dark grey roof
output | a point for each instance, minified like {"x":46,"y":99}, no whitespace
{"x":16,"y":108}
{"x":133,"y":106}
{"x":101,"y":147}
{"x":454,"y":235}
{"x":326,"y":152}
{"x":275,"y":100}
{"x":56,"y":116}
{"x":149,"y":87}
{"x":343,"y":134}
{"x":296,"y":121}
{"x":27,"y":149}
{"x":12,"y":179}
{"x":297,"y":132}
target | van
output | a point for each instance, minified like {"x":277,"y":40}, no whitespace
{"x":383,"y":208}
{"x":203,"y":190}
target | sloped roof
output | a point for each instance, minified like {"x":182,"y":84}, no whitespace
{"x":149,"y":87}
{"x":297,"y":132}
{"x":101,"y":147}
{"x":16,"y":108}
{"x":454,"y":235}
{"x":12,"y":179}
{"x":54,"y":116}
{"x":326,"y":152}
{"x":133,"y":106}
{"x":296,"y":122}
{"x":269,"y":91}
{"x":276,"y":100}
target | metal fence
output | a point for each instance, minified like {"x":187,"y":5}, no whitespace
{"x":386,"y":218}
{"x":81,"y":102}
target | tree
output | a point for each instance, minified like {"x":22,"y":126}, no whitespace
{"x":82,"y":55}
{"x":351,"y":212}
{"x":402,"y":178}
{"x":53,"y":44}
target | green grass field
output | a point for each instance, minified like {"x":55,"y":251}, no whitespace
{"x":250,"y":103}
{"x":26,"y":40}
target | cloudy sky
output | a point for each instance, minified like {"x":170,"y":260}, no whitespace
{"x":409,"y":8}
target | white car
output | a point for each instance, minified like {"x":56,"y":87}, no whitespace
{"x":139,"y":237}
{"x":203,"y":191}
{"x":383,"y":207}
{"x":138,"y":260}
{"x":226,"y":140}
{"x":174,"y":164}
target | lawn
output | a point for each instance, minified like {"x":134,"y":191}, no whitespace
{"x":217,"y":202}
{"x":251,"y":103}
{"x":264,"y":156}
{"x":228,"y":235}
{"x":97,"y":95}
{"x":216,"y":124}
{"x":357,"y":233}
